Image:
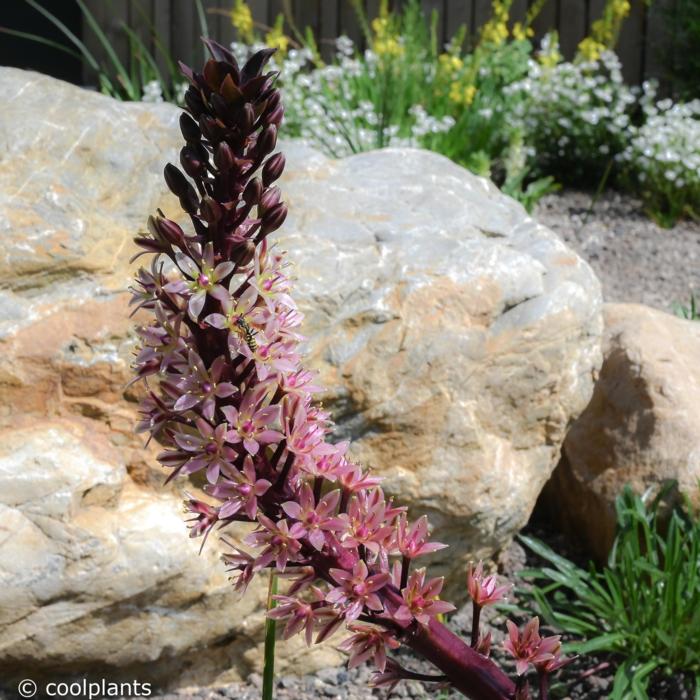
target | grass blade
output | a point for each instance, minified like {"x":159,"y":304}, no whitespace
{"x":67,"y":32}
{"x":128,"y":85}
{"x":40,"y":40}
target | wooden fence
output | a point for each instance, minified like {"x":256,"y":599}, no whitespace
{"x":176,"y":24}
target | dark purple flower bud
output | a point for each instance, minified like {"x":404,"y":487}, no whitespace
{"x":190,"y":201}
{"x":270,"y":197}
{"x":255,"y":64}
{"x":168,"y":230}
{"x":194,"y":102}
{"x":273,"y":168}
{"x":244,"y":253}
{"x":266,"y":141}
{"x":189,"y":128}
{"x":273,"y":100}
{"x":252,"y":192}
{"x":245,"y":118}
{"x":220,"y":107}
{"x":230,"y":92}
{"x":191,"y":161}
{"x":272,"y":219}
{"x":224,"y":157}
{"x":221,"y":53}
{"x":176,"y":181}
{"x":211,"y":210}
{"x":275,"y":117}
{"x":212,"y":128}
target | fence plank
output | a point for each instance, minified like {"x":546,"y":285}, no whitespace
{"x":459,"y":12}
{"x":225,"y":31}
{"x":630,"y":47}
{"x":182,"y":33}
{"x":518,"y":10}
{"x":349,"y":24}
{"x":572,"y":26}
{"x":546,"y":21}
{"x":109,"y":17}
{"x":481,"y":14}
{"x":161,"y":18}
{"x":659,"y":27}
{"x":307,"y":13}
{"x":330,"y":28}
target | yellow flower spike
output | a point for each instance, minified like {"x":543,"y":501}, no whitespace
{"x":462,"y":95}
{"x":276,"y":38}
{"x":604,"y":31}
{"x":242,"y":20}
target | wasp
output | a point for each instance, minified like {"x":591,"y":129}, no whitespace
{"x":248,"y":333}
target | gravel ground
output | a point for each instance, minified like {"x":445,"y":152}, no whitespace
{"x":636,"y":260}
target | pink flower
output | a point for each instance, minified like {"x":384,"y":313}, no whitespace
{"x":527,"y":647}
{"x":201,"y":386}
{"x":304,"y":435}
{"x":206,"y":517}
{"x":484,"y":590}
{"x":234,"y":310}
{"x":420,"y":600}
{"x":352,"y":478}
{"x":269,"y":281}
{"x":242,"y":492}
{"x":203,"y":279}
{"x":368,"y":642}
{"x":411,"y":542}
{"x":389,"y":678}
{"x":271,"y":358}
{"x":250,"y":424}
{"x":357,"y":590}
{"x":241,"y":564}
{"x":280,"y":542}
{"x":207,"y":448}
{"x":300,"y":615}
{"x":316,"y":519}
{"x":366,"y":521}
{"x":300,"y":382}
{"x":551,"y":646}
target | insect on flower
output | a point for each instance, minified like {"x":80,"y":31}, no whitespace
{"x":248,"y":333}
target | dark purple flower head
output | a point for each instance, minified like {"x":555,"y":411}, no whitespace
{"x":227,"y":395}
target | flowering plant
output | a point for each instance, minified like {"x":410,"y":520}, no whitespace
{"x":227,"y":396}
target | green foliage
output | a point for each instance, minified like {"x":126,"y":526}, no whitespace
{"x":130,"y":82}
{"x":690,"y":312}
{"x":680,"y":53}
{"x":643,"y":607}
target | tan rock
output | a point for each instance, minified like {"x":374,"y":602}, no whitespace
{"x":457,"y":338}
{"x":641,"y":427}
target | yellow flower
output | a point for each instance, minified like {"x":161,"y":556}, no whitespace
{"x":462,"y":95}
{"x":449,"y":63}
{"x":604,"y":31}
{"x":521,"y":32}
{"x":589,"y":49}
{"x":242,"y":20}
{"x":495,"y":31}
{"x":276,"y":38}
{"x":385,"y":42}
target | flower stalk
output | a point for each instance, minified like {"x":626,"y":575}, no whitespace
{"x":228,"y":397}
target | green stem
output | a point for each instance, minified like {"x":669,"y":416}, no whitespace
{"x":269,"y":668}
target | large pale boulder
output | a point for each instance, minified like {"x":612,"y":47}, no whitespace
{"x":457,"y":338}
{"x":641,"y":427}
